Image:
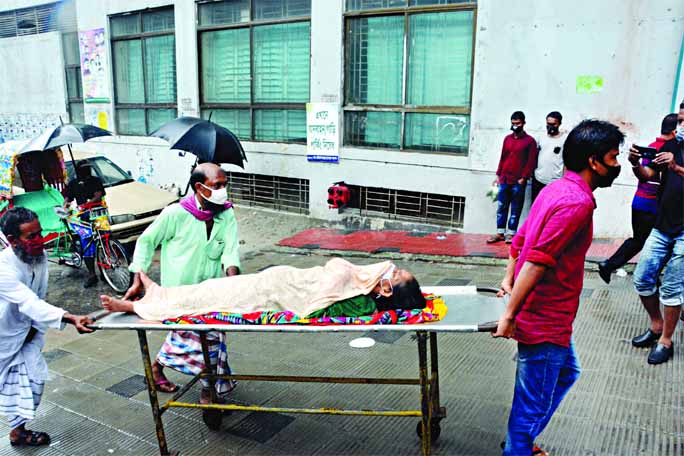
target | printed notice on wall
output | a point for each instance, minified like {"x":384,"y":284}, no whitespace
{"x":98,"y":114}
{"x":91,"y":45}
{"x":322,"y":132}
{"x":589,"y":84}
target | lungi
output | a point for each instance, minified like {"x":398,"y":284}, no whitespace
{"x":182,"y":351}
{"x":20,"y":396}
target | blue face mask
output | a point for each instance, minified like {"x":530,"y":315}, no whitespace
{"x":679,"y":133}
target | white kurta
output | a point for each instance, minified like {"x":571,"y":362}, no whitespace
{"x":22,"y":289}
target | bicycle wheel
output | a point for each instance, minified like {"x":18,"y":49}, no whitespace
{"x":65,"y":249}
{"x":113,"y":264}
{"x":74,"y":256}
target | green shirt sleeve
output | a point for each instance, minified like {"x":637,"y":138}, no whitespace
{"x":231,"y":252}
{"x":151,"y":238}
{"x":352,"y":307}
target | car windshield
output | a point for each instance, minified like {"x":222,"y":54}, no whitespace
{"x":105,"y":169}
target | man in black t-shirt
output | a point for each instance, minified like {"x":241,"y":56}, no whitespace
{"x":85,"y":188}
{"x":664,"y":248}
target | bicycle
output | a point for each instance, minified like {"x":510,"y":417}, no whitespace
{"x":110,"y":256}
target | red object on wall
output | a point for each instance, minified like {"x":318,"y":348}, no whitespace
{"x":338,"y":195}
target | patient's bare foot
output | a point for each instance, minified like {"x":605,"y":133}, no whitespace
{"x":116,"y":305}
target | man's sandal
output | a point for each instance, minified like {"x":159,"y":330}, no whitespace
{"x":165,"y":386}
{"x":536,"y":451}
{"x":31,"y":439}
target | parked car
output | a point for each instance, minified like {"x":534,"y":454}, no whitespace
{"x":133,"y":206}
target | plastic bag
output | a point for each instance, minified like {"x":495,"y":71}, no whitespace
{"x":493,"y":193}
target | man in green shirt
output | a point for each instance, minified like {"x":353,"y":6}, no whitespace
{"x":199,"y":241}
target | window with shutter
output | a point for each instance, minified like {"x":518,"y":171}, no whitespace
{"x":144,"y":59}
{"x":409,"y":74}
{"x":254,"y":75}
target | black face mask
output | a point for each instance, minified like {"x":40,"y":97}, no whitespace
{"x":551,"y":129}
{"x":612,"y":174}
{"x":516,"y":128}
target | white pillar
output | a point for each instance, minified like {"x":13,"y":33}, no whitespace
{"x":187,"y":56}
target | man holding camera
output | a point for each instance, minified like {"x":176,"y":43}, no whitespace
{"x":664,"y":247}
{"x":644,"y":204}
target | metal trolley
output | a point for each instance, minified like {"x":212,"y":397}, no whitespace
{"x":468,"y":312}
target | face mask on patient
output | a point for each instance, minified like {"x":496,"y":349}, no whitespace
{"x":387,"y":276}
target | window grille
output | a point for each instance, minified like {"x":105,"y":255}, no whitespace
{"x":431,"y":208}
{"x":274,"y":192}
{"x":51,"y":17}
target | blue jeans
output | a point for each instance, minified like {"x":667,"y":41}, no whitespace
{"x":544,"y":376}
{"x":660,"y":250}
{"x":513,"y":196}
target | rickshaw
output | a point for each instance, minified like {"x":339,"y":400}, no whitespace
{"x":36,"y":180}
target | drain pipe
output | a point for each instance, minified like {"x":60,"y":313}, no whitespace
{"x":678,"y":78}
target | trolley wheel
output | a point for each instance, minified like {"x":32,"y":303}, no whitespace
{"x":435,"y":431}
{"x":212,"y":418}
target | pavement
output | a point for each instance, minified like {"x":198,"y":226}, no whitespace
{"x":96,"y":402}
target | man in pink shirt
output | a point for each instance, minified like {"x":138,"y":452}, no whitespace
{"x":544,"y":280}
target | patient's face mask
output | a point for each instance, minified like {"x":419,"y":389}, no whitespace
{"x":387,"y":276}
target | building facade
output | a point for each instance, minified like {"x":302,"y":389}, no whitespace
{"x":423,"y":89}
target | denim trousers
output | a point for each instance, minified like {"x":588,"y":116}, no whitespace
{"x":513,"y":196}
{"x":662,"y":250}
{"x":544,"y":375}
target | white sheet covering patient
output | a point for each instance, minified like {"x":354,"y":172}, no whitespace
{"x":279,"y":288}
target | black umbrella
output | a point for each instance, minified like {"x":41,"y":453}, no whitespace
{"x":64,"y":134}
{"x":204,"y":139}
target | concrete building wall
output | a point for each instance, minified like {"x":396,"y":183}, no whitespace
{"x":27,"y":85}
{"x":32,"y":95}
{"x":528,"y":56}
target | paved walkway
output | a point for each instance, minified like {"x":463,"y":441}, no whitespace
{"x":96,"y":403}
{"x":415,"y":242}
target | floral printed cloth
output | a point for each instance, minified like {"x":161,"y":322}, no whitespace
{"x":435,"y":310}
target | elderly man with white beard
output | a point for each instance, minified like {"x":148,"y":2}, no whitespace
{"x":24,"y":319}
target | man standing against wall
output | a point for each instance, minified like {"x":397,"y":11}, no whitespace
{"x":544,"y":280}
{"x":518,"y":159}
{"x":199,"y":241}
{"x":550,"y":160}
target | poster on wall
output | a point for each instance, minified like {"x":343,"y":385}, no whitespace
{"x":98,"y":114}
{"x":322,"y":132}
{"x":589,"y":84}
{"x":92,"y":47}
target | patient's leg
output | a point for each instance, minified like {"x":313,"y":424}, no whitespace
{"x":116,"y":305}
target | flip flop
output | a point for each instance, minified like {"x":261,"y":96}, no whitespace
{"x":538,"y":451}
{"x":535,"y":450}
{"x":165,"y":386}
{"x":31,"y":439}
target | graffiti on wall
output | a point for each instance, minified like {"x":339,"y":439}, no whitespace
{"x":25,"y":126}
{"x":145,"y":162}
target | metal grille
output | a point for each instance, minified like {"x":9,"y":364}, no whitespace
{"x":274,"y":192}
{"x":51,"y":17}
{"x":433,"y":208}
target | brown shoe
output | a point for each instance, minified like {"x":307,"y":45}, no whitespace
{"x":496,"y":238}
{"x":509,"y":238}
